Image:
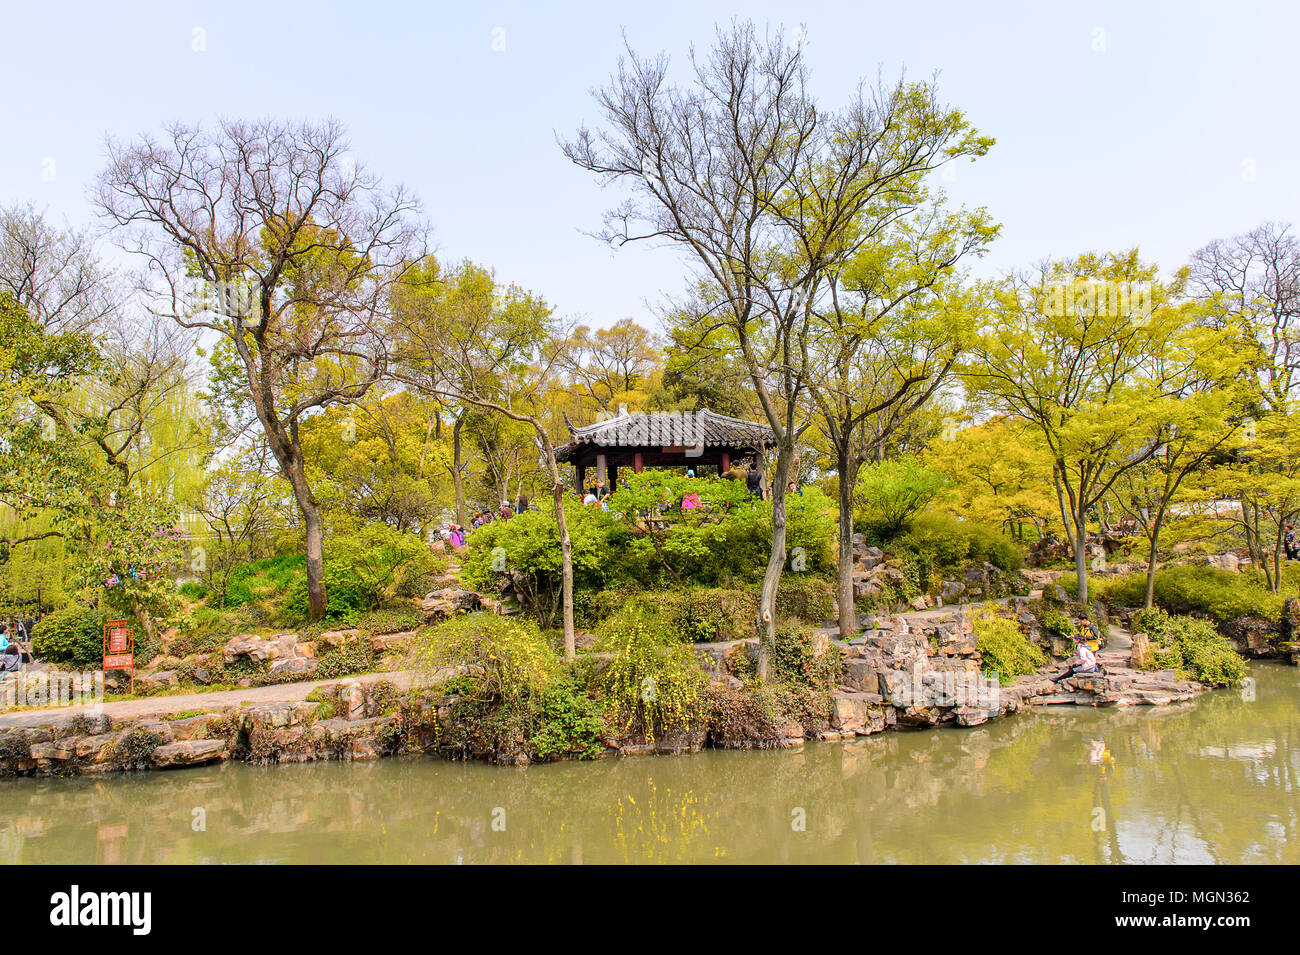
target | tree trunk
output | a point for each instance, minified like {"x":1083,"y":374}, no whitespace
{"x":1081,"y":557}
{"x":312,"y":523}
{"x":458,"y":479}
{"x":1151,"y":561}
{"x":846,"y":464}
{"x":566,"y":549}
{"x":775,"y":564}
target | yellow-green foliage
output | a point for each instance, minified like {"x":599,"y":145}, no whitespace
{"x":653,"y":680}
{"x":1003,"y":648}
{"x":1191,"y":646}
{"x":511,"y":659}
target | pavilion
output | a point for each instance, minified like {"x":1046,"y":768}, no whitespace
{"x":702,"y":440}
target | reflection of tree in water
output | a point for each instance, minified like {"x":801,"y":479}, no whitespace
{"x":1213,"y":780}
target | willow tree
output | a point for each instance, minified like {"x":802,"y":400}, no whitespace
{"x":270,"y":237}
{"x":767,"y":194}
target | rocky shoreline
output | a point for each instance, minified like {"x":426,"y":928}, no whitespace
{"x":909,"y":671}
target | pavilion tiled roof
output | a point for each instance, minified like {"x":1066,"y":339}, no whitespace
{"x":676,"y":429}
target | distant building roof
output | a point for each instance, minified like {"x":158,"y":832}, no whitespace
{"x":703,"y":428}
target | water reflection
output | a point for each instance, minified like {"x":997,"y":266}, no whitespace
{"x":1209,"y":781}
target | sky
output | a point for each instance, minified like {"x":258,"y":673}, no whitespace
{"x":1160,"y":125}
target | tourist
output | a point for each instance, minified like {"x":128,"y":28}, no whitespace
{"x":600,"y":490}
{"x":456,"y":535}
{"x":507,"y":511}
{"x":590,"y":499}
{"x":1083,"y":661}
{"x":754,"y":480}
{"x":11,"y":658}
{"x":521,"y":505}
{"x":1289,"y":542}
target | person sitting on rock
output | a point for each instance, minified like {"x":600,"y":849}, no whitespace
{"x":1083,"y":661}
{"x":1289,"y":542}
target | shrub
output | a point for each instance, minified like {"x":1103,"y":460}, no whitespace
{"x":1191,"y":646}
{"x":642,"y":542}
{"x":512,"y":659}
{"x":365,"y":569}
{"x":567,"y":723}
{"x":390,"y":620}
{"x":795,"y":664}
{"x":653,"y":681}
{"x":73,"y":634}
{"x":806,"y":597}
{"x":952,"y":543}
{"x":353,"y":656}
{"x":1218,"y":594}
{"x":888,"y":494}
{"x":1004,"y":649}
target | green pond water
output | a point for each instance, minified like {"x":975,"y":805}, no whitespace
{"x":1215,"y":780}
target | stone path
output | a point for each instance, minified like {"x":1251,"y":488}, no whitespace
{"x":1118,"y":685}
{"x":122,"y":710}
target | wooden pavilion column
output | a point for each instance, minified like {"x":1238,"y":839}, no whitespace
{"x":581,"y":471}
{"x":637,"y":462}
{"x":601,"y":469}
{"x":725,"y":466}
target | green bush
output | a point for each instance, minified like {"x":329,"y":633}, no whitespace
{"x":1218,"y":594}
{"x":889,"y":494}
{"x":354,"y":656}
{"x":73,"y":634}
{"x":513,"y":660}
{"x":364,"y":570}
{"x":653,"y":682}
{"x":1190,"y":645}
{"x":1004,"y":649}
{"x":568,"y":723}
{"x":796,"y":665}
{"x":805,"y":596}
{"x":390,"y":620}
{"x":951,"y":543}
{"x":646,"y":540}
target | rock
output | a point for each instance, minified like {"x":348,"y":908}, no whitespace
{"x":292,"y":668}
{"x":1252,"y":636}
{"x":189,"y":752}
{"x":352,"y":700}
{"x":1055,"y":594}
{"x":447,"y":602}
{"x":336,"y":638}
{"x":1290,"y":627}
{"x":193,"y":727}
{"x":161,"y":680}
{"x":202,"y":676}
{"x":1140,"y":655}
{"x":251,"y":647}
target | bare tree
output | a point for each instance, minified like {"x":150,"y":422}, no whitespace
{"x":54,"y":274}
{"x":295,"y":250}
{"x":767,"y":194}
{"x":1254,"y":279}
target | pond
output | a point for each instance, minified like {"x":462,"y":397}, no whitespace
{"x":1214,"y":780}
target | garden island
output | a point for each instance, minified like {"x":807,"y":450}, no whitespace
{"x":290,"y":488}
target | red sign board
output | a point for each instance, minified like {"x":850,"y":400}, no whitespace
{"x":119,"y":647}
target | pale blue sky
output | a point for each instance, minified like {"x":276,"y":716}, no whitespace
{"x":1145,"y":133}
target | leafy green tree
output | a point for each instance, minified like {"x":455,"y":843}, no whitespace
{"x":767,"y":194}
{"x":1073,"y":350}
